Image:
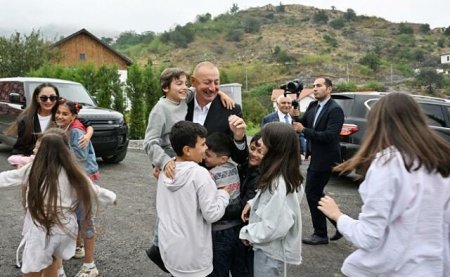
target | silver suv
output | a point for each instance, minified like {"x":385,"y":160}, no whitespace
{"x":110,"y":137}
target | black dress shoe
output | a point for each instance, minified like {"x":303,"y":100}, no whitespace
{"x":315,"y":240}
{"x":154,"y":255}
{"x":336,"y":236}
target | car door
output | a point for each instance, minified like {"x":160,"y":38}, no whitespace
{"x":437,"y":118}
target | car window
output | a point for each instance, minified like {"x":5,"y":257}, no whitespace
{"x":434,"y":113}
{"x":346,"y":105}
{"x":6,"y":88}
{"x":72,"y":92}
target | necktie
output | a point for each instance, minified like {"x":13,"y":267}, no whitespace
{"x":318,"y":109}
{"x":286,"y":118}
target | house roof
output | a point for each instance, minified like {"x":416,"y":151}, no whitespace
{"x":445,"y":54}
{"x":306,"y":92}
{"x":86,"y":32}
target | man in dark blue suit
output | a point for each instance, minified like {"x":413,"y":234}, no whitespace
{"x":321,"y":125}
{"x":284,"y":104}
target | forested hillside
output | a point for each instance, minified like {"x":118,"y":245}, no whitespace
{"x":272,"y":44}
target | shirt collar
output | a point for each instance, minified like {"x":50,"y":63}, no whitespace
{"x":197,"y":106}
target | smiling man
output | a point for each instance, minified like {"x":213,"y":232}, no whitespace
{"x":207,"y":110}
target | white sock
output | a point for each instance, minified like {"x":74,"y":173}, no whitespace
{"x":61,"y":271}
{"x":89,"y":265}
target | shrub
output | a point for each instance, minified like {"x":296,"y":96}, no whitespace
{"x":345,"y":86}
{"x":337,"y":23}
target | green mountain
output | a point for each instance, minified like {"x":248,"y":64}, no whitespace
{"x":272,"y":44}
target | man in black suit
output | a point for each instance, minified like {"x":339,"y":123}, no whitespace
{"x":207,"y":109}
{"x":321,"y":125}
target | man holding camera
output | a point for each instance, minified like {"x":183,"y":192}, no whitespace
{"x":321,"y":124}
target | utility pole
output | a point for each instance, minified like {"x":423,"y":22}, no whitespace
{"x":348,"y":75}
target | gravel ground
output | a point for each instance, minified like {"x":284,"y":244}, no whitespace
{"x":125,"y":229}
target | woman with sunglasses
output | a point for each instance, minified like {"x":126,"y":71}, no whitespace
{"x":35,"y":119}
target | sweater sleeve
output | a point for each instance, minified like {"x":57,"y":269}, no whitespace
{"x":14,"y":177}
{"x":212,"y":201}
{"x":378,"y":195}
{"x":153,"y":138}
{"x":104,"y":196}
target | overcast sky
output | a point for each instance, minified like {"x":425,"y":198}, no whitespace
{"x":115,"y":16}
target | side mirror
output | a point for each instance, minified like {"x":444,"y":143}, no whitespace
{"x":14,"y":98}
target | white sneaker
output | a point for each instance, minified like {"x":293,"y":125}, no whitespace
{"x":79,"y":252}
{"x":87,"y":272}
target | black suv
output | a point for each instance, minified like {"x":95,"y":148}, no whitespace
{"x":356,"y":106}
{"x":110,"y":137}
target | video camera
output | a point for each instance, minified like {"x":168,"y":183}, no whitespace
{"x":291,"y":87}
{"x":294,"y":86}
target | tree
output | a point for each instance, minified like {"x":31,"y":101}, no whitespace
{"x":447,"y":31}
{"x":234,"y":9}
{"x":350,"y":15}
{"x":280,"y":8}
{"x":371,"y":60}
{"x":430,"y":79}
{"x":135,"y":92}
{"x":251,"y":24}
{"x":151,"y":89}
{"x":21,"y":54}
{"x":204,"y":18}
{"x":403,"y":28}
{"x":107,"y":40}
{"x":425,"y":28}
{"x":320,"y":17}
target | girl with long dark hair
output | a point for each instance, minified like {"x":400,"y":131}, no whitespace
{"x":54,"y":187}
{"x":274,"y":228}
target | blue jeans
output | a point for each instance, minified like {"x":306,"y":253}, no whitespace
{"x":89,"y":232}
{"x":264,"y":266}
{"x":229,"y":254}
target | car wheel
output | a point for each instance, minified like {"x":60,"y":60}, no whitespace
{"x":115,"y":158}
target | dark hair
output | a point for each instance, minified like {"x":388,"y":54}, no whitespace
{"x":43,"y":181}
{"x":397,"y":120}
{"x":282,"y":157}
{"x":327,"y":82}
{"x":255,"y":138}
{"x":219,"y":143}
{"x":29,"y":113}
{"x":74,"y":108}
{"x":169,"y":74}
{"x":185,"y":133}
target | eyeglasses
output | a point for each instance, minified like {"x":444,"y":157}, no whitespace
{"x":44,"y":98}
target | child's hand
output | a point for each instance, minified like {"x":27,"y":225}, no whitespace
{"x":245,"y":242}
{"x":227,"y":101}
{"x":228,"y":188}
{"x":169,"y":169}
{"x":329,"y":208}
{"x":155,"y":172}
{"x":84,"y":141}
{"x":246,"y":213}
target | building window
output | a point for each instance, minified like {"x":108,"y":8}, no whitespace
{"x":82,"y":56}
{"x":448,"y":58}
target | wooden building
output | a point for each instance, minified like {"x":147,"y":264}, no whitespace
{"x":84,"y":47}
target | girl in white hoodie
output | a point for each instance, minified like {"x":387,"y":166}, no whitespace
{"x":54,"y":185}
{"x":274,"y":228}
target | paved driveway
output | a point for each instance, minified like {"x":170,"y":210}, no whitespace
{"x":125,"y":229}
